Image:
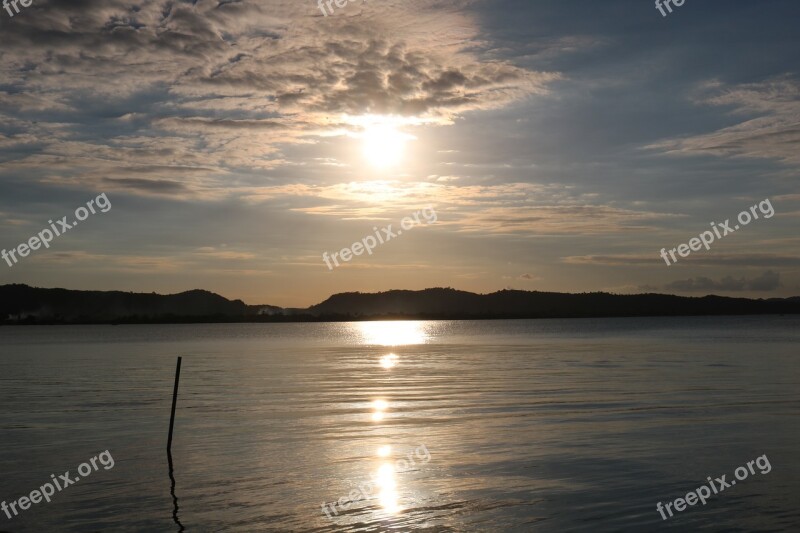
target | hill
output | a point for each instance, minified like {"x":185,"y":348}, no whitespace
{"x":451,"y":303}
{"x":21,"y":304}
{"x":35,"y":305}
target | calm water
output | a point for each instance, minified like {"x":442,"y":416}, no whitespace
{"x":551,"y":425}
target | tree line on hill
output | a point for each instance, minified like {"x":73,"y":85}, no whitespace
{"x":21,"y":304}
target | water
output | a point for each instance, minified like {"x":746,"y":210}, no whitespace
{"x":550,"y":425}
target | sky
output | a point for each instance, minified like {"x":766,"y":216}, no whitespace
{"x":561,"y":144}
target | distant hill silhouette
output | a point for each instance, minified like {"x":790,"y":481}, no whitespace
{"x":451,"y":303}
{"x":21,"y":304}
{"x":24,"y":303}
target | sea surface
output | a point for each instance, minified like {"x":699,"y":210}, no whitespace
{"x":520,"y":425}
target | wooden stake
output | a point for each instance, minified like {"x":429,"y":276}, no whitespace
{"x":174,"y":403}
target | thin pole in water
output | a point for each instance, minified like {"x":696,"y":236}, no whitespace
{"x":174,"y":403}
{"x":169,"y":449}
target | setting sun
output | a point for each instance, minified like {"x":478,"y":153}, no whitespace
{"x":383,"y":145}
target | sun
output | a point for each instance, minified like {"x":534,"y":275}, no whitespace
{"x":383,"y":145}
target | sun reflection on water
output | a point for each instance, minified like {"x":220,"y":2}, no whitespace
{"x":388,"y":488}
{"x":392,"y":333}
{"x":380,"y":406}
{"x":388,"y":333}
{"x":389,"y":361}
{"x":384,"y":451}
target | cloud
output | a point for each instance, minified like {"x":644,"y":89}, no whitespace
{"x":12,"y":102}
{"x":228,"y":86}
{"x":498,"y":208}
{"x":580,"y":219}
{"x":768,"y":281}
{"x":772,"y":260}
{"x":610,"y":259}
{"x":773,"y":132}
{"x":154,"y":186}
{"x":211,"y":252}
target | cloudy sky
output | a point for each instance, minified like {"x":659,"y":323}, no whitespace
{"x":562,"y":144}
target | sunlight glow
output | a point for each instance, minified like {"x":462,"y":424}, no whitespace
{"x":392,"y":333}
{"x":380,"y":406}
{"x":389,"y":361}
{"x":388,"y":495}
{"x":384,"y":451}
{"x":386,"y":476}
{"x":384,"y":145}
